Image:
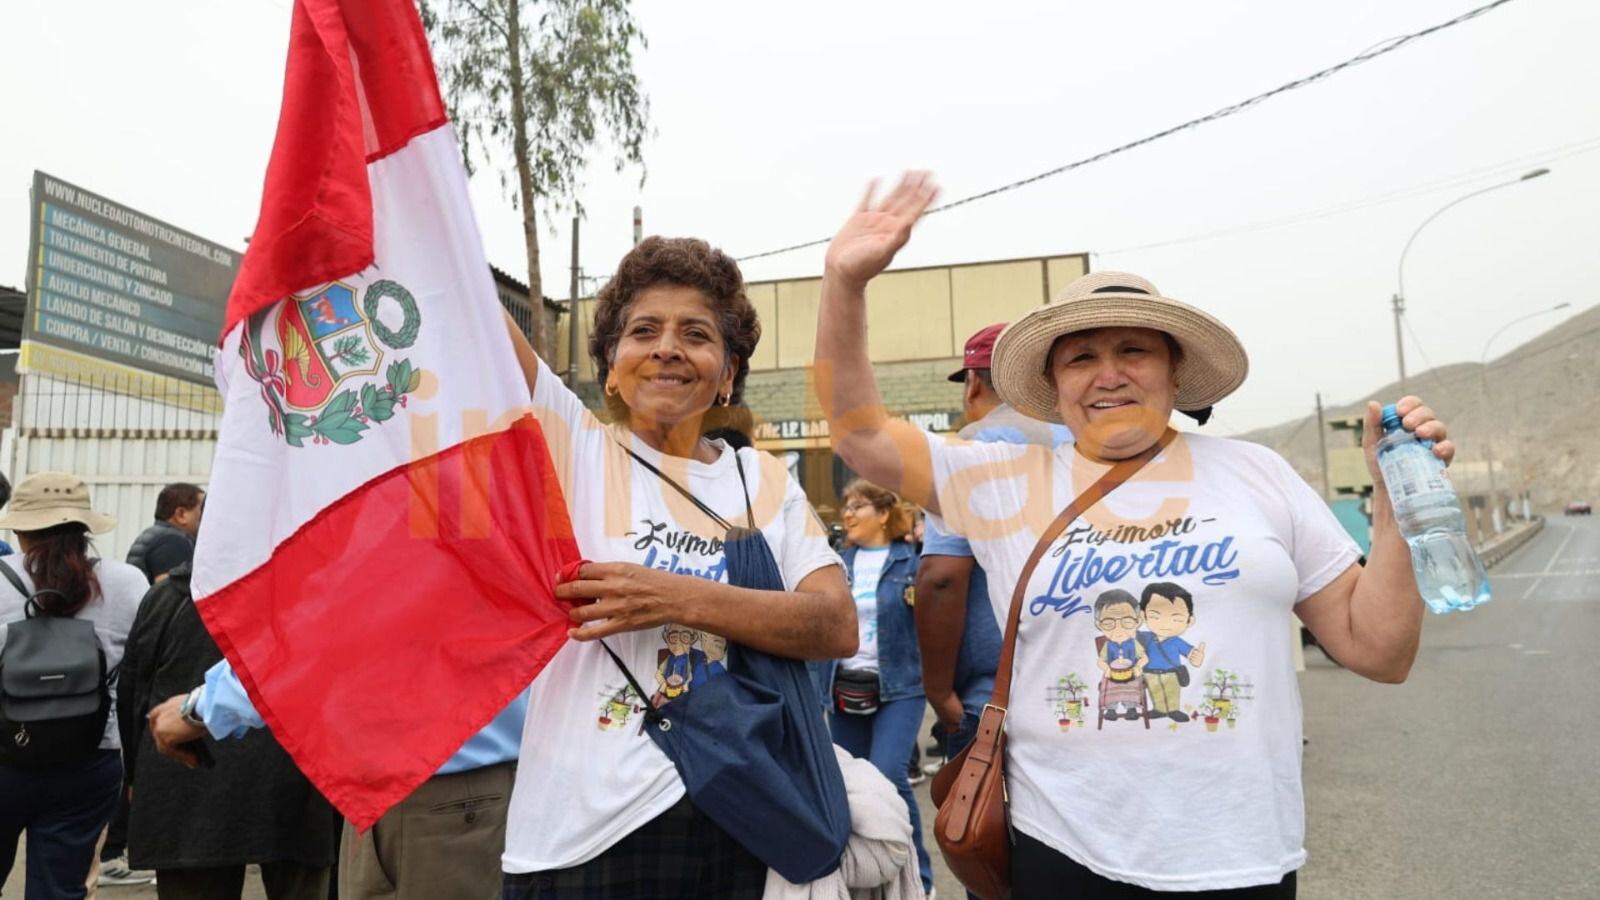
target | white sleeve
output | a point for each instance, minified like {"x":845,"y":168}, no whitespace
{"x":1318,"y":545}
{"x":980,"y":485}
{"x":803,"y":549}
{"x":573,"y":434}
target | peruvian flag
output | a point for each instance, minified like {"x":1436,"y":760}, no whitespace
{"x":383,"y":529}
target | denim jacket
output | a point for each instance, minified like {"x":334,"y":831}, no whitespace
{"x":899,"y":660}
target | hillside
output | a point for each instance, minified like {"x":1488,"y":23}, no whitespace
{"x":1541,"y":410}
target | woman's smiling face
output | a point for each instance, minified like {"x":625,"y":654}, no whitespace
{"x":1115,"y":388}
{"x":670,"y":362}
{"x":865,"y":525}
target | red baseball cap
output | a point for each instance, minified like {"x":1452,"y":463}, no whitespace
{"x":979,"y":350}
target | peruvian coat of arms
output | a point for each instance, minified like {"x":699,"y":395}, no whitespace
{"x":318,"y":359}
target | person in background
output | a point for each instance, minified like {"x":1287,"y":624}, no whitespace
{"x":5,"y":497}
{"x":64,"y":808}
{"x":443,"y":842}
{"x":957,"y":619}
{"x":733,"y":425}
{"x":875,"y":696}
{"x":198,"y":829}
{"x":165,"y":545}
{"x":169,"y":541}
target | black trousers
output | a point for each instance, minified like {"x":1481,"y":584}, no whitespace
{"x":62,"y":810}
{"x":282,"y":881}
{"x":1037,"y":870}
{"x":117,"y":832}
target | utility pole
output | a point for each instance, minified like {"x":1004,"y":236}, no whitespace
{"x":1399,"y":344}
{"x":572,"y":314}
{"x":1322,"y":446}
{"x":1400,"y":272}
{"x":638,"y":225}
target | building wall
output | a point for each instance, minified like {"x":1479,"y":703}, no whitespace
{"x":912,"y":314}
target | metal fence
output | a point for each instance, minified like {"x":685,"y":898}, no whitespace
{"x":126,"y":437}
{"x":115,"y":406}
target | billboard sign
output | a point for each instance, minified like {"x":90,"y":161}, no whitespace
{"x":118,"y":289}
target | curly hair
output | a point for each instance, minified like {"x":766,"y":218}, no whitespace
{"x":687,"y":262}
{"x":899,"y":523}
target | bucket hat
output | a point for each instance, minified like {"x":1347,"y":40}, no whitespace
{"x":1213,"y":366}
{"x":47,"y":499}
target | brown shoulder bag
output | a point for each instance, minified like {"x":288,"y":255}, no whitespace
{"x":973,"y":827}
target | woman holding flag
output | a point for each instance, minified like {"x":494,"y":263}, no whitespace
{"x":597,"y":809}
{"x":385,"y":526}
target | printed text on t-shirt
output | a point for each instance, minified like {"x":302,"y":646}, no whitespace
{"x":1079,"y":568}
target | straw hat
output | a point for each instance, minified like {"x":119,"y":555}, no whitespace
{"x":1213,"y":365}
{"x":47,"y":499}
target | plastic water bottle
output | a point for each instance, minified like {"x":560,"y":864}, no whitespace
{"x":1449,"y":573}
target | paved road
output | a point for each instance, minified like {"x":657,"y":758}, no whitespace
{"x":1479,"y":777}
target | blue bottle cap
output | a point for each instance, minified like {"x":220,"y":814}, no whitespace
{"x":1391,"y":418}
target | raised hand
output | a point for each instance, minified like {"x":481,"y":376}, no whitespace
{"x":875,"y":232}
{"x":1418,"y":419}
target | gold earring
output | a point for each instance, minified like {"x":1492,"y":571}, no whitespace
{"x":611,"y":388}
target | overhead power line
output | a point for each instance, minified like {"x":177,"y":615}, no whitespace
{"x":1371,"y":53}
{"x":1458,"y":180}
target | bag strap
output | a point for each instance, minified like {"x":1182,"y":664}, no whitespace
{"x":31,"y":606}
{"x":715,"y":517}
{"x":1102,"y":486}
{"x":651,"y":714}
{"x":16,"y":582}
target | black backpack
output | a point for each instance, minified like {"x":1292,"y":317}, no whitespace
{"x":55,"y":692}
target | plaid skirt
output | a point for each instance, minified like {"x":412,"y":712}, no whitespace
{"x":679,"y":853}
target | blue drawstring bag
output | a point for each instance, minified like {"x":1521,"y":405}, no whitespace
{"x":750,"y":744}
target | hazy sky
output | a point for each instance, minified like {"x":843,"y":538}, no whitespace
{"x":770,"y":119}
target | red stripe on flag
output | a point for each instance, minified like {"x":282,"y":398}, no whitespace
{"x":373,"y":652}
{"x":359,"y":84}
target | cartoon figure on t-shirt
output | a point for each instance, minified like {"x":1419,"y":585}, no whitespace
{"x":618,"y":703}
{"x":713,"y":659}
{"x":1122,"y":658}
{"x":1168,"y":612}
{"x":677,"y":663}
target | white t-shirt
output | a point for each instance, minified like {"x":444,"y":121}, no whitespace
{"x":121,"y":588}
{"x":865,"y":571}
{"x":1209,"y":803}
{"x":587,"y":775}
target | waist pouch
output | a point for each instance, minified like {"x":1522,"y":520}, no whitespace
{"x":856,"y":691}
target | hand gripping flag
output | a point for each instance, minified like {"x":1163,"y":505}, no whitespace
{"x":384,"y":528}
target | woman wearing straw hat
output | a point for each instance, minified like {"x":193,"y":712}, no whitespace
{"x":1183,"y":577}
{"x":63,"y":807}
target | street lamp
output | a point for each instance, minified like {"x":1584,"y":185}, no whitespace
{"x":1400,"y":293}
{"x":1483,"y":371}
